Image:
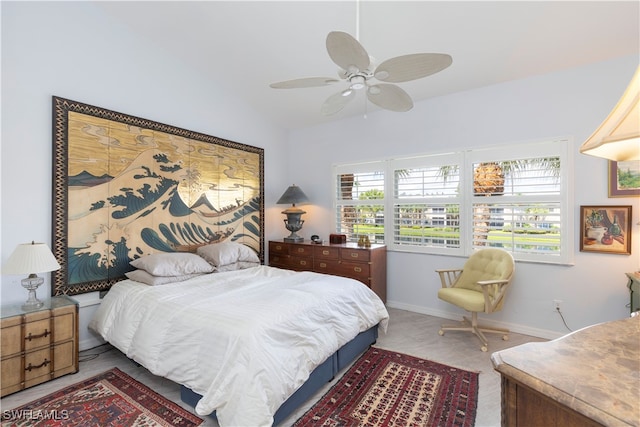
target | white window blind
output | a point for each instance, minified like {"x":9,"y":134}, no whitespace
{"x":515,"y":197}
{"x":426,"y":203}
{"x":360,"y":201}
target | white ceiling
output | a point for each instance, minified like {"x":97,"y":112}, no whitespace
{"x":248,"y":45}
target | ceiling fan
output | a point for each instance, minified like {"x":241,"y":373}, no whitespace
{"x":355,"y":68}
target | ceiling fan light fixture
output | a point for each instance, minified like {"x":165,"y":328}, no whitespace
{"x":374,"y":90}
{"x":357,"y":82}
{"x":346,"y":92}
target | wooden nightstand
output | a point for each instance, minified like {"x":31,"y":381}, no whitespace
{"x":38,"y":345}
{"x":368,"y":265}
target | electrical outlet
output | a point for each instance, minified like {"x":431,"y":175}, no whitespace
{"x":557,"y":305}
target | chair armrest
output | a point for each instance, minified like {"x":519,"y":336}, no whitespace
{"x":493,"y":292}
{"x":449,"y":276}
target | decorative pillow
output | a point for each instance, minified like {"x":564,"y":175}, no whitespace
{"x":149,"y":279}
{"x":172,"y":264}
{"x":224,"y":253}
{"x":240,"y":265}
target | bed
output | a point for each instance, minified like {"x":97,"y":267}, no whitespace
{"x":244,"y":342}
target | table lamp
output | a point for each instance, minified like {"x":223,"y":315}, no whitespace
{"x":31,"y":258}
{"x":293,"y":223}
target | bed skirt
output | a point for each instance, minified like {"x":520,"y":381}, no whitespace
{"x":318,"y":378}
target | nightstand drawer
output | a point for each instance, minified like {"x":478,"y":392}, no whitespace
{"x":37,"y":334}
{"x":38,"y":345}
{"x":36,"y":364}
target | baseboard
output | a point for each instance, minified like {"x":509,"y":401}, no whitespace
{"x":514,"y":327}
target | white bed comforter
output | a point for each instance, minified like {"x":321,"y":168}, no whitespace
{"x":244,"y":340}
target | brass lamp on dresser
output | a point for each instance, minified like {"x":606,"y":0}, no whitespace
{"x":38,"y":345}
{"x":368,"y":265}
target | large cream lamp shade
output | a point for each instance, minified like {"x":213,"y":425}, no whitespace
{"x":618,"y":137}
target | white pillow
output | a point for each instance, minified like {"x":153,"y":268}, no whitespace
{"x":149,"y":279}
{"x":172,"y":264}
{"x":240,"y":265}
{"x":224,"y":253}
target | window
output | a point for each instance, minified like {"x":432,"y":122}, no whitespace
{"x":360,"y":201}
{"x":514,"y":197}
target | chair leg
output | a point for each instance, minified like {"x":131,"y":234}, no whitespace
{"x":477,"y":330}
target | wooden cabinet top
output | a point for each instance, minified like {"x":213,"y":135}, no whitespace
{"x":349,"y":245}
{"x":53,"y":303}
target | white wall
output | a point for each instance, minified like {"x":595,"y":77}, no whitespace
{"x":72,"y":50}
{"x":569,"y":103}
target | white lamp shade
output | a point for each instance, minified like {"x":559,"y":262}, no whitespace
{"x":618,"y":137}
{"x":30,"y":258}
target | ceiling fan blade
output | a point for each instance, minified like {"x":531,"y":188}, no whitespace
{"x":337,"y":101}
{"x":304,"y":82}
{"x":411,"y":67}
{"x":347,"y":52}
{"x":390,"y":97}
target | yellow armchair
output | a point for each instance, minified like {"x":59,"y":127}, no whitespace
{"x":479,"y":286}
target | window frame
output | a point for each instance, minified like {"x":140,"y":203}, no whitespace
{"x":552,"y":147}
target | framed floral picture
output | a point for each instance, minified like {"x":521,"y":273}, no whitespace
{"x":605,"y":229}
{"x":624,"y":178}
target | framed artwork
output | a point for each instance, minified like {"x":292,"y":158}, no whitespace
{"x":624,"y":178}
{"x":125,"y":187}
{"x":605,"y":229}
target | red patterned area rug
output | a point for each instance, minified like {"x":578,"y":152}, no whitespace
{"x":384,"y":388}
{"x":112,"y":399}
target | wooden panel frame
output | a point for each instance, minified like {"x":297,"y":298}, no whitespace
{"x":125,"y":186}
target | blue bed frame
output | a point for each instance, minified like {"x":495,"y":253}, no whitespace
{"x":318,"y":378}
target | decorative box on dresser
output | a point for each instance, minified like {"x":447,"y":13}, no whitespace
{"x":38,"y":345}
{"x":366,"y":264}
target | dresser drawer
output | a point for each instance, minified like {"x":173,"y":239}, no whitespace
{"x":355,"y":270}
{"x":325,"y":253}
{"x":301,"y":250}
{"x":349,"y":254}
{"x":278,"y":248}
{"x":301,"y":264}
{"x":326,"y":266}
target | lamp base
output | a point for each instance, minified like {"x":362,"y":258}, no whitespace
{"x":31,"y":283}
{"x":294,"y":238}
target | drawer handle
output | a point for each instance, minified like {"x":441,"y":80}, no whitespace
{"x":357,"y":269}
{"x":33,"y":337}
{"x":278,"y":247}
{"x":323,"y":265}
{"x":325,"y":252}
{"x":354,"y":254}
{"x":300,"y":250}
{"x":45,"y":363}
{"x":303,"y":262}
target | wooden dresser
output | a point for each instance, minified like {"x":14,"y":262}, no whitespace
{"x":368,"y":265}
{"x":38,"y":345}
{"x":586,"y":378}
